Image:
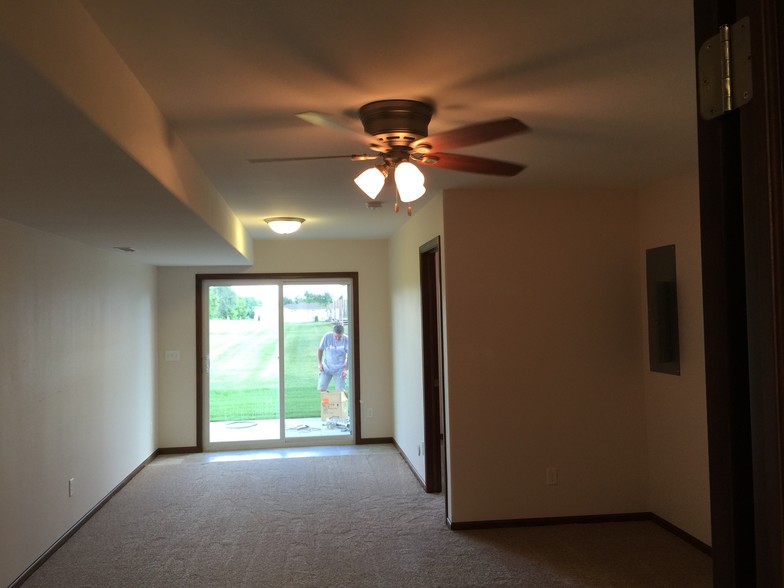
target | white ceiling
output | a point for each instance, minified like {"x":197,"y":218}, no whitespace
{"x":607,"y":88}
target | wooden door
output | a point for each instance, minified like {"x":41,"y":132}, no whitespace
{"x":742,"y":224}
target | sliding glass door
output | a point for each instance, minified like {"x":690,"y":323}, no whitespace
{"x":265,"y":382}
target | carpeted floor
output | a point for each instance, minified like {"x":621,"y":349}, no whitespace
{"x":350,"y":520}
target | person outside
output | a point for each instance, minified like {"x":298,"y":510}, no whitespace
{"x":333,"y":359}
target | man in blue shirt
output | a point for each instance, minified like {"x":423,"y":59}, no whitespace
{"x":333,"y":359}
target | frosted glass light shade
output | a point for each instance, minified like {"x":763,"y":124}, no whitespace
{"x":412,"y":193}
{"x":410,"y":181}
{"x":284,"y":225}
{"x":371,"y":181}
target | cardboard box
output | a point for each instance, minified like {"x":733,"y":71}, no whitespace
{"x":334,"y":404}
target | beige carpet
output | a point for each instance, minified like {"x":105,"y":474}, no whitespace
{"x":352,"y":520}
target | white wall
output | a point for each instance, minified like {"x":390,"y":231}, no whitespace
{"x":76,"y":384}
{"x":676,"y":412}
{"x":177,"y":327}
{"x":425,"y":224}
{"x":544,"y":343}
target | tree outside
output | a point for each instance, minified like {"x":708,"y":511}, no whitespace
{"x":226,"y":304}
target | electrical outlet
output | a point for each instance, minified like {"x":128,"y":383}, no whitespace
{"x":171,"y":356}
{"x":71,"y":487}
{"x":370,"y":413}
{"x":551,"y":476}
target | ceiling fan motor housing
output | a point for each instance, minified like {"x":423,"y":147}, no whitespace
{"x":396,"y":123}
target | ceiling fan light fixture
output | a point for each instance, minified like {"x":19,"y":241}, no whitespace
{"x":397,"y":131}
{"x":410,"y":181}
{"x":412,"y":193}
{"x":372,"y":180}
{"x":284,"y":225}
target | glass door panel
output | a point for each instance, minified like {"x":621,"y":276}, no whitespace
{"x":244,"y":365}
{"x":310,"y":312}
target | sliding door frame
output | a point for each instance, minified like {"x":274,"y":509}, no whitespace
{"x":356,"y":414}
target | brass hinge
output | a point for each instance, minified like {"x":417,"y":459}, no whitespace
{"x":724,"y":70}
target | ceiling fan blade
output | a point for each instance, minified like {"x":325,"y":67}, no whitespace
{"x":469,"y":135}
{"x":325,"y":120}
{"x":469,"y":163}
{"x":361,"y":157}
{"x":321,"y":119}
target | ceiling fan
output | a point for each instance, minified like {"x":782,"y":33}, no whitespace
{"x":397,"y":131}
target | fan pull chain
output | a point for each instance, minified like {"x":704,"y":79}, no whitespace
{"x":409,"y":210}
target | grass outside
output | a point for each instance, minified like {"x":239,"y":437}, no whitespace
{"x":244,"y":375}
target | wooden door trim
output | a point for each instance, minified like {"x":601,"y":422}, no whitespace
{"x":762,"y":137}
{"x":742,"y":224}
{"x":432,"y":364}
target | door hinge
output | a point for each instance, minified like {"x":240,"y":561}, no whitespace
{"x":724,"y":70}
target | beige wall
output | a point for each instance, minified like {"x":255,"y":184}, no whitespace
{"x":425,"y":224}
{"x":546,"y":360}
{"x":54,"y":36}
{"x":676,"y":418}
{"x":77,"y":332}
{"x":177,"y":328}
{"x":544,"y":344}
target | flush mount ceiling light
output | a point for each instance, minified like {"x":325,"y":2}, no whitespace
{"x":397,"y":131}
{"x":284,"y":225}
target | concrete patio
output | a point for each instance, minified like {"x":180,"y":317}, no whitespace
{"x":266,"y":430}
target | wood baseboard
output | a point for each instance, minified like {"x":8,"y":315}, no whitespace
{"x":402,"y":453}
{"x":537,"y":522}
{"x":704,"y":547}
{"x":23,"y":577}
{"x":178,"y":450}
{"x":606,"y":518}
{"x":375,"y":440}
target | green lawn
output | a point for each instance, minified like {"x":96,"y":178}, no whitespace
{"x":244,"y":375}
